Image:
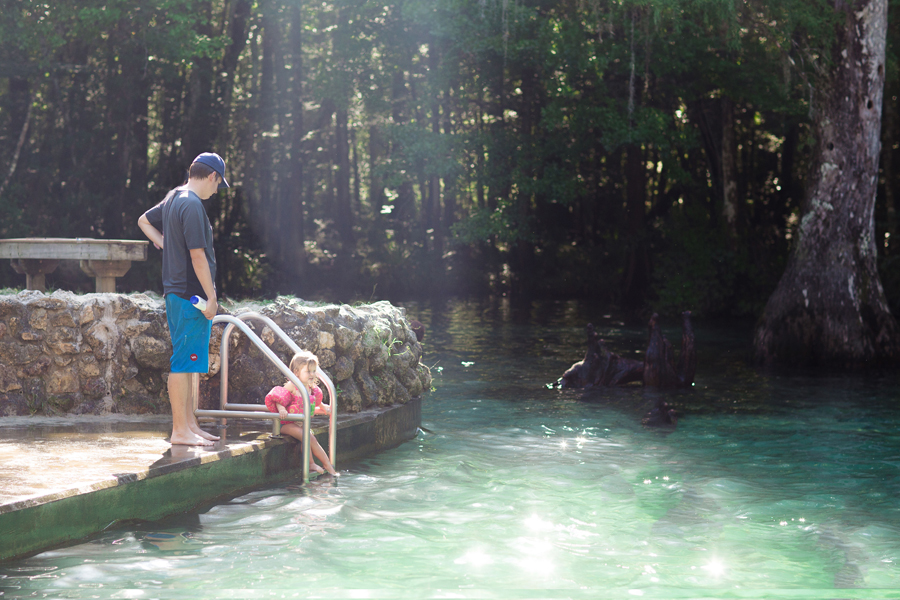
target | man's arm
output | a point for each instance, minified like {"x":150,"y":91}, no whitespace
{"x":152,"y":233}
{"x":201,"y":268}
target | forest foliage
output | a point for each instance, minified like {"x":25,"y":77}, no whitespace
{"x":638,"y":153}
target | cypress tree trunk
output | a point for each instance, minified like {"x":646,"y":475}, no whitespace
{"x":343,"y":209}
{"x":433,"y":215}
{"x":293,"y":215}
{"x":200,"y":134}
{"x":729,"y":169}
{"x":636,"y":279}
{"x":829,"y":307}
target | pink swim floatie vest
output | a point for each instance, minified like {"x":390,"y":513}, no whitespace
{"x":291,"y":401}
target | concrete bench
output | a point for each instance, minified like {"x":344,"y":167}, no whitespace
{"x":104,"y":260}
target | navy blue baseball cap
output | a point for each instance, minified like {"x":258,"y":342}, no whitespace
{"x":214,"y":162}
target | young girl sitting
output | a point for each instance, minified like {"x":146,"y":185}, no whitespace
{"x":287,"y":400}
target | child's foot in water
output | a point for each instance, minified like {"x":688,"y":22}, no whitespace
{"x":316,"y":468}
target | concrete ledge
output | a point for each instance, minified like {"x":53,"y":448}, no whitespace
{"x":186,"y":479}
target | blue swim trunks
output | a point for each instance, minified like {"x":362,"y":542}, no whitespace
{"x":190,"y":331}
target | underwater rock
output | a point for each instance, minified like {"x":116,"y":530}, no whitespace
{"x":661,"y":415}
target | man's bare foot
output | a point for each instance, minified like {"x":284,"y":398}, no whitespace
{"x":188,"y":439}
{"x":316,"y":468}
{"x":195,"y":429}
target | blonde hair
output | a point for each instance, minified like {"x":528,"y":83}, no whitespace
{"x":305,"y":357}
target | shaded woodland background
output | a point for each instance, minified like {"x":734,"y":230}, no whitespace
{"x":647,"y":154}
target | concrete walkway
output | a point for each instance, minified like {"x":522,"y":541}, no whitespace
{"x":64,"y":479}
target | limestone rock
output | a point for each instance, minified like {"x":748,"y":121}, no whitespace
{"x":245,"y":374}
{"x":63,"y":381}
{"x":399,"y":392}
{"x":13,"y":325}
{"x":150,"y":352}
{"x":425,"y":379}
{"x":8,"y":380}
{"x":98,"y":353}
{"x":409,"y":378}
{"x":10,"y":306}
{"x":62,"y":403}
{"x":87,"y":314}
{"x":326,"y":341}
{"x":378,"y":359}
{"x":13,"y":405}
{"x":103,"y":338}
{"x":326,"y":358}
{"x":38,"y":319}
{"x":89,"y":367}
{"x":94,"y":387}
{"x":342,"y":369}
{"x":349,"y":398}
{"x":51,"y":303}
{"x":12,"y":353}
{"x":367,"y":386}
{"x":63,"y":319}
{"x":37,"y":367}
{"x":385,"y":384}
{"x":58,"y":347}
{"x":88,"y":407}
{"x":344,"y":337}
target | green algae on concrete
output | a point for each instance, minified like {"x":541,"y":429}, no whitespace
{"x":189,"y":479}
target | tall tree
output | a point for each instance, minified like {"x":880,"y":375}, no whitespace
{"x":829,"y":307}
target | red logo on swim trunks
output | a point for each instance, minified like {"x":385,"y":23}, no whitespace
{"x":193,"y":357}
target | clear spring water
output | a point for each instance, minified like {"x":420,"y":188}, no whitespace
{"x":770,"y":486}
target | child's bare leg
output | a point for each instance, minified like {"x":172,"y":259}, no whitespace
{"x":292,"y":430}
{"x":296,"y":432}
{"x":320,"y":453}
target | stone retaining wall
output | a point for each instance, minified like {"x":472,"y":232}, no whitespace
{"x":103,"y":353}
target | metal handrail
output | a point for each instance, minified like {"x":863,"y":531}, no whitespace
{"x":276,"y":419}
{"x":323,"y":377}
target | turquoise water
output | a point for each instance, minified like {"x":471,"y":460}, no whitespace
{"x":770,"y":486}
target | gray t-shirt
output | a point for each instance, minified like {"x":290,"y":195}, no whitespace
{"x":183,"y":222}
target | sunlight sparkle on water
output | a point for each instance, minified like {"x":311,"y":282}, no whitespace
{"x":716,"y":567}
{"x":535,"y":523}
{"x":475,"y":557}
{"x":536,"y":565}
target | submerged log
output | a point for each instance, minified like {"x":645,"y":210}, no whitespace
{"x":662,"y":415}
{"x":658,"y":369}
{"x":659,"y":361}
{"x":601,"y":367}
{"x":687,"y":361}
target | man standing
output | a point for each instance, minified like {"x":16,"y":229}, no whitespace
{"x":179,"y":225}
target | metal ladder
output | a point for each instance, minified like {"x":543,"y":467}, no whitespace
{"x":259,"y":411}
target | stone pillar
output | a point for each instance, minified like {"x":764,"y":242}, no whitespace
{"x":105,"y":272}
{"x":34,"y":270}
